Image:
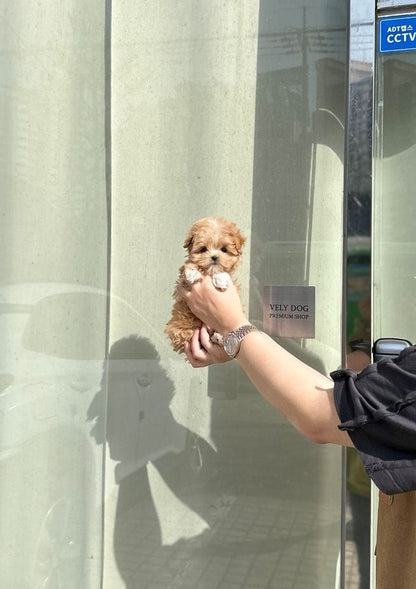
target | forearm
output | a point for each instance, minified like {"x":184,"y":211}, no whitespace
{"x":300,"y":393}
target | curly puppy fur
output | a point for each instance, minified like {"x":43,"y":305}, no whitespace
{"x":214,"y":248}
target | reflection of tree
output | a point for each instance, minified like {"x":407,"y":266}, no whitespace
{"x":141,"y":433}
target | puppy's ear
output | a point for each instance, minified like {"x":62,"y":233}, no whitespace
{"x":239,"y":241}
{"x":189,"y":239}
{"x":191,"y":234}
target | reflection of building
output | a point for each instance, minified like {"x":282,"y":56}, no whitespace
{"x":124,"y":122}
{"x":399,"y":83}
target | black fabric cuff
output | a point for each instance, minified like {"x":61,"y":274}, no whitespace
{"x":377,"y":408}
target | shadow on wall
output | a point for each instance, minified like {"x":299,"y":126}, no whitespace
{"x":158,"y":460}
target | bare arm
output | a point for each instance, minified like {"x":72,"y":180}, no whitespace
{"x":303,"y":395}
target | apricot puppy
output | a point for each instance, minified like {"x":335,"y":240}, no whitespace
{"x":214,"y":248}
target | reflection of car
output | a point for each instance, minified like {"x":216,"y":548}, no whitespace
{"x":49,"y":366}
{"x":53,"y":370}
{"x":48,"y":460}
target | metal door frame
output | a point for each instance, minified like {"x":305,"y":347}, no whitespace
{"x":361,"y":60}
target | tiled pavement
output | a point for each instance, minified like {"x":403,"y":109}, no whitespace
{"x":250,"y":546}
{"x":264,"y":533}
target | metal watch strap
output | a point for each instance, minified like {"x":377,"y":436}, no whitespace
{"x":238,"y":335}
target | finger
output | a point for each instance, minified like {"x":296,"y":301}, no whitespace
{"x":194,"y":362}
{"x":205,"y":338}
{"x":198,"y":351}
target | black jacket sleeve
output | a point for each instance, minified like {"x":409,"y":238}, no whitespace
{"x":377,"y":407}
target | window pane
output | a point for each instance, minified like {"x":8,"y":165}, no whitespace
{"x":235,"y":110}
{"x":53,"y":301}
{"x":394,"y":242}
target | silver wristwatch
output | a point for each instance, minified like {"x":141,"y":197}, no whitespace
{"x":232,"y":341}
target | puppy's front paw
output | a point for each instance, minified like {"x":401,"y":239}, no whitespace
{"x":221,"y":280}
{"x":192,"y":275}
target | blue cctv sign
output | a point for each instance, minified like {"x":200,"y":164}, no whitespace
{"x":397,"y":33}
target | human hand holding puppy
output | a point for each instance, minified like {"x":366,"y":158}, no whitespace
{"x":222,"y":311}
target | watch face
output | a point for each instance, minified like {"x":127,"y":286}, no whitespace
{"x":231,"y":344}
{"x":233,"y":339}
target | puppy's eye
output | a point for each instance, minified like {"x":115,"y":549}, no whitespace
{"x":203,"y":250}
{"x":224,"y":249}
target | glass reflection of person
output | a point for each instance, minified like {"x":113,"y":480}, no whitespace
{"x":140,"y":430}
{"x":377,"y":410}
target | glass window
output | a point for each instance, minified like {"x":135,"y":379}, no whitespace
{"x":234,"y":110}
{"x":394,"y":202}
{"x":122,"y":124}
{"x":53,"y":293}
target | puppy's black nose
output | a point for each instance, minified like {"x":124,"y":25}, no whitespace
{"x":214,"y":259}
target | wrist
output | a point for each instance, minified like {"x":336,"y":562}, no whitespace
{"x":232,"y":341}
{"x":233,"y":324}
